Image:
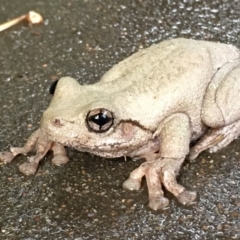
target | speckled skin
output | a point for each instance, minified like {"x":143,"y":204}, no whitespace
{"x":161,"y":99}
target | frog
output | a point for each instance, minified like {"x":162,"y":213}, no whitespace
{"x":164,"y":104}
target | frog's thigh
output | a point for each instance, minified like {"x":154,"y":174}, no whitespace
{"x":221,"y":105}
{"x":216,"y":139}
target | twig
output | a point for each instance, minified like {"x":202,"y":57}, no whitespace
{"x":32,"y":17}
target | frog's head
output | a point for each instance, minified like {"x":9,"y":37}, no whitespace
{"x":88,"y":118}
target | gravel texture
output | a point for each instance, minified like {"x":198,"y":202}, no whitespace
{"x":84,"y":198}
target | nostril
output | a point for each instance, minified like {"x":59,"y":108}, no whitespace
{"x":57,"y":122}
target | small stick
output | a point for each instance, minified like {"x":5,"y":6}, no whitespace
{"x":32,"y":17}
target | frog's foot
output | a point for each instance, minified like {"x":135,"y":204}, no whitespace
{"x":7,"y":157}
{"x":216,"y":139}
{"x":42,"y":145}
{"x":162,"y":171}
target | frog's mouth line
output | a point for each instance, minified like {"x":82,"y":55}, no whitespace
{"x":135,"y":123}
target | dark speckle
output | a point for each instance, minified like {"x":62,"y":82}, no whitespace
{"x":57,"y":123}
{"x":53,"y":87}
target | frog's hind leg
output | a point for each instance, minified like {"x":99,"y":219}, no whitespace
{"x":216,"y":139}
{"x":221,"y":110}
{"x":221,"y":104}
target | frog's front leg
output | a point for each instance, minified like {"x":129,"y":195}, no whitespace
{"x":174,"y":139}
{"x":8,"y":156}
{"x":41,"y":144}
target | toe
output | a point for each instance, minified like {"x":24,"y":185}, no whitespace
{"x":132,"y":184}
{"x":157,"y":202}
{"x":193,"y":154}
{"x":28,"y":168}
{"x":60,"y":159}
{"x":6,"y":157}
{"x":187,"y":197}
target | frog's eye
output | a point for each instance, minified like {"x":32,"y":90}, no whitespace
{"x":99,"y":120}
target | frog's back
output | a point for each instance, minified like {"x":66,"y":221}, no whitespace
{"x":159,"y":60}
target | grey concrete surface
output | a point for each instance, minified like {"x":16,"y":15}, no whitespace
{"x":84,"y":199}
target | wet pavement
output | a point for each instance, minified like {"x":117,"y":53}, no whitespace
{"x":84,"y":198}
